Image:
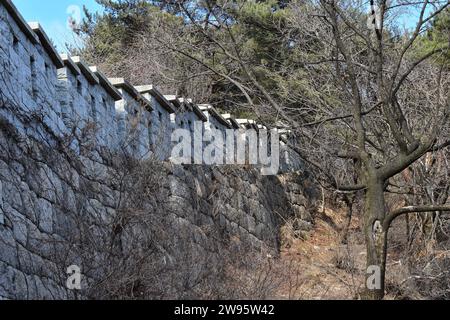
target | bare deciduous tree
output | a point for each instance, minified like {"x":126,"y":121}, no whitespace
{"x":363,"y":101}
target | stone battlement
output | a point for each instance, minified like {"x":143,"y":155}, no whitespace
{"x":72,"y":96}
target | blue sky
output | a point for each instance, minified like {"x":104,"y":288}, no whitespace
{"x":53,"y":16}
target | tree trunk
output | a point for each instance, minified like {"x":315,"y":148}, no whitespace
{"x":376,"y":241}
{"x":348,"y":218}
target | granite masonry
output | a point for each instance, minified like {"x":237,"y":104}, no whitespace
{"x":85,"y":180}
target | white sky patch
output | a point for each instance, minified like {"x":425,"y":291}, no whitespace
{"x":62,"y":35}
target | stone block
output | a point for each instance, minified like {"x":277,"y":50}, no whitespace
{"x":44,"y":215}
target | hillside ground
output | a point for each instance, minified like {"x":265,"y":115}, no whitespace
{"x":320,"y":266}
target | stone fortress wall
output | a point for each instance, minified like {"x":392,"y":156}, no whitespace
{"x":64,"y":123}
{"x":74,"y":95}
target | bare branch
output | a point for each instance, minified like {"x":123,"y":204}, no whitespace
{"x":413,"y":209}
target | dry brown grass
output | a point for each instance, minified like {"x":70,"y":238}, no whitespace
{"x":330,"y":270}
{"x":327,"y":269}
